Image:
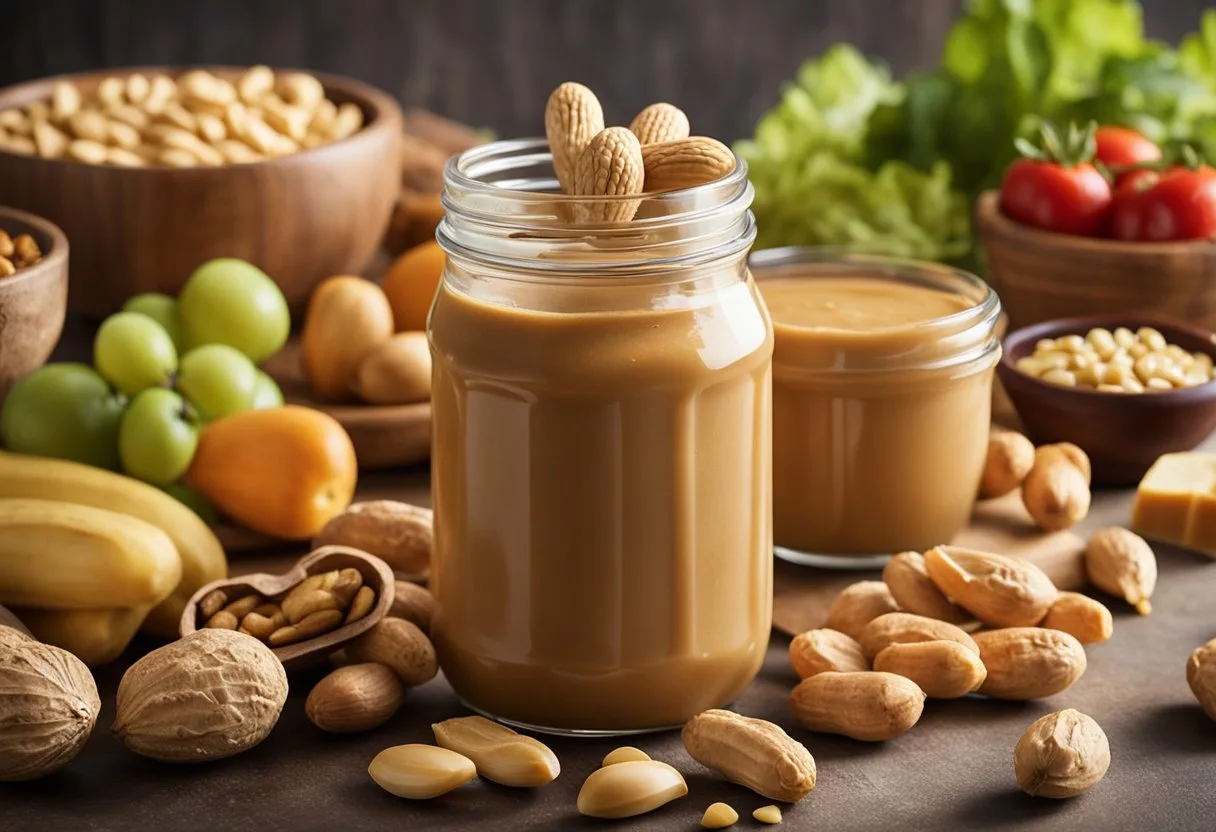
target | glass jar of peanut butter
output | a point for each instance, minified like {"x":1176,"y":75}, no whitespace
{"x":882,"y":395}
{"x":602,"y":450}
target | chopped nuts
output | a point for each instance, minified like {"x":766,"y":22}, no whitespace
{"x":628,"y":789}
{"x":500,"y":754}
{"x":420,"y":772}
{"x":1061,"y":755}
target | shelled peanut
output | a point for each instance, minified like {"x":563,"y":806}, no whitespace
{"x":17,"y":253}
{"x":1121,"y":361}
{"x":196,"y":119}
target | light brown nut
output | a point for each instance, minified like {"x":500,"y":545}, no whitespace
{"x":573,"y":116}
{"x":25,"y":250}
{"x":347,"y":121}
{"x":6,"y":244}
{"x":354,"y":698}
{"x":7,"y":269}
{"x":718,"y":816}
{"x":260,"y":135}
{"x":413,"y":603}
{"x":212,"y":128}
{"x":500,"y":754}
{"x":288,"y":120}
{"x":1121,"y":563}
{"x":1061,"y":755}
{"x":868,"y":706}
{"x":349,"y":582}
{"x":112,"y":91}
{"x":629,"y":789}
{"x":751,"y":752}
{"x":823,"y":650}
{"x":50,"y":141}
{"x":1010,"y":458}
{"x":420,"y":772}
{"x":1056,"y":491}
{"x":138,"y":88}
{"x":770,"y":815}
{"x":323,"y":116}
{"x":624,"y":754}
{"x":1083,"y":618}
{"x":222,"y":620}
{"x":255,"y":83}
{"x":201,"y":86}
{"x":90,"y":124}
{"x":260,"y":626}
{"x":906,"y":628}
{"x":998,"y":590}
{"x":942,"y":669}
{"x":246,"y":604}
{"x":300,"y":89}
{"x":398,"y":533}
{"x":609,"y":166}
{"x":236,"y":152}
{"x":311,"y":626}
{"x":857,"y":605}
{"x":299,"y":605}
{"x":123,"y":136}
{"x":20,"y":144}
{"x":48,"y":706}
{"x":89,"y":152}
{"x":16,"y":122}
{"x":914,"y":591}
{"x":65,"y":100}
{"x":395,"y":371}
{"x":685,"y":163}
{"x":401,"y":646}
{"x":212,"y":602}
{"x":1201,"y":676}
{"x":177,"y":158}
{"x":124,"y":158}
{"x":127,"y":114}
{"x":1029,"y":662}
{"x":211,"y":694}
{"x":361,"y":604}
{"x":660,"y":122}
{"x":160,"y":90}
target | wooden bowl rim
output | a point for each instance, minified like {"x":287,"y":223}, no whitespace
{"x":1182,"y":396}
{"x":990,"y":220}
{"x":54,"y":261}
{"x":385,"y":114}
{"x":315,"y":561}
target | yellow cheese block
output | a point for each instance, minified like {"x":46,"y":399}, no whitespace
{"x":1176,"y":501}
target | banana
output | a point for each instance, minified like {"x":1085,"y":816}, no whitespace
{"x":56,"y":555}
{"x":96,"y":637}
{"x":202,"y":557}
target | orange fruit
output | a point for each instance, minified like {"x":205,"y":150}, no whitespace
{"x":411,"y":283}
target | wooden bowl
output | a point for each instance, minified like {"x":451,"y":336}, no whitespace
{"x":300,"y":217}
{"x":376,"y":574}
{"x":1043,"y":276}
{"x":1123,"y":433}
{"x":32,"y":301}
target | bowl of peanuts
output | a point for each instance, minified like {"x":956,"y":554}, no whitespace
{"x":33,"y":293}
{"x":1125,"y":388}
{"x":151,"y":171}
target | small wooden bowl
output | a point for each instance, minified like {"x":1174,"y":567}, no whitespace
{"x":1043,"y":276}
{"x":32,"y":301}
{"x":1122,"y":433}
{"x":376,"y":574}
{"x":301,"y":217}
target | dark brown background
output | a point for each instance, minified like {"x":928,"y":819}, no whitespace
{"x":492,"y":63}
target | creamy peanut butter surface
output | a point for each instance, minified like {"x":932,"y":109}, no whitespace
{"x":880,"y":418}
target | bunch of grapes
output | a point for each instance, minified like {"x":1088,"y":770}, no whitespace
{"x":162,"y":369}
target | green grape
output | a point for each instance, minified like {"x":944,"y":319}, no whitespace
{"x":157,"y":438}
{"x":194,"y":501}
{"x":160,"y":308}
{"x":65,"y":411}
{"x":266,"y":393}
{"x":133,"y":352}
{"x":218,"y":380}
{"x":229,"y":301}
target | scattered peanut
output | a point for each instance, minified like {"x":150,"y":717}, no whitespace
{"x":906,"y":628}
{"x":1061,"y":755}
{"x":751,"y":752}
{"x":818,"y":651}
{"x":869,"y":706}
{"x":1056,"y":491}
{"x":624,"y":754}
{"x":1010,"y":458}
{"x":401,"y":646}
{"x":1201,"y":676}
{"x":1000,"y":591}
{"x":420,"y":772}
{"x":1121,"y":563}
{"x":1029,"y":662}
{"x":915,"y":592}
{"x":500,"y":754}
{"x":1083,"y":618}
{"x":413,"y":603}
{"x":628,"y":789}
{"x":354,"y":698}
{"x":398,"y":533}
{"x":768,"y":814}
{"x":857,"y":605}
{"x":718,"y":816}
{"x":942,"y":669}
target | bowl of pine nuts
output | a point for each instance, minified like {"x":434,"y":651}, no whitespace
{"x":1124,"y":388}
{"x":151,"y":171}
{"x":33,"y":293}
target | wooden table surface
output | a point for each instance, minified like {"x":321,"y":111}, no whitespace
{"x":953,"y":771}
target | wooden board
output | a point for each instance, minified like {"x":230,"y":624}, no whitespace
{"x":802,"y":595}
{"x":384,"y":436}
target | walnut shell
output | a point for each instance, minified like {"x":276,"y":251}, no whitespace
{"x":48,"y":706}
{"x":210,"y":695}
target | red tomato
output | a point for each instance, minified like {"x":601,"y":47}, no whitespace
{"x":1180,"y":206}
{"x":1068,"y":200}
{"x":1119,"y":147}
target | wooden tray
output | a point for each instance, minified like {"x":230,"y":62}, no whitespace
{"x":384,"y":436}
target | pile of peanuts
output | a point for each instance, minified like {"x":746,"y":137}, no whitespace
{"x":315,"y":606}
{"x":1117,"y":362}
{"x":197,"y":119}
{"x":17,"y":253}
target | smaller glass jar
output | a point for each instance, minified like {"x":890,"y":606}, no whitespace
{"x":882,"y":395}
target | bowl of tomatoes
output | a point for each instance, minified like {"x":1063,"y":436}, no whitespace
{"x":1101,"y":221}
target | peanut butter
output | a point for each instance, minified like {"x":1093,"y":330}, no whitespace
{"x":881,"y":403}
